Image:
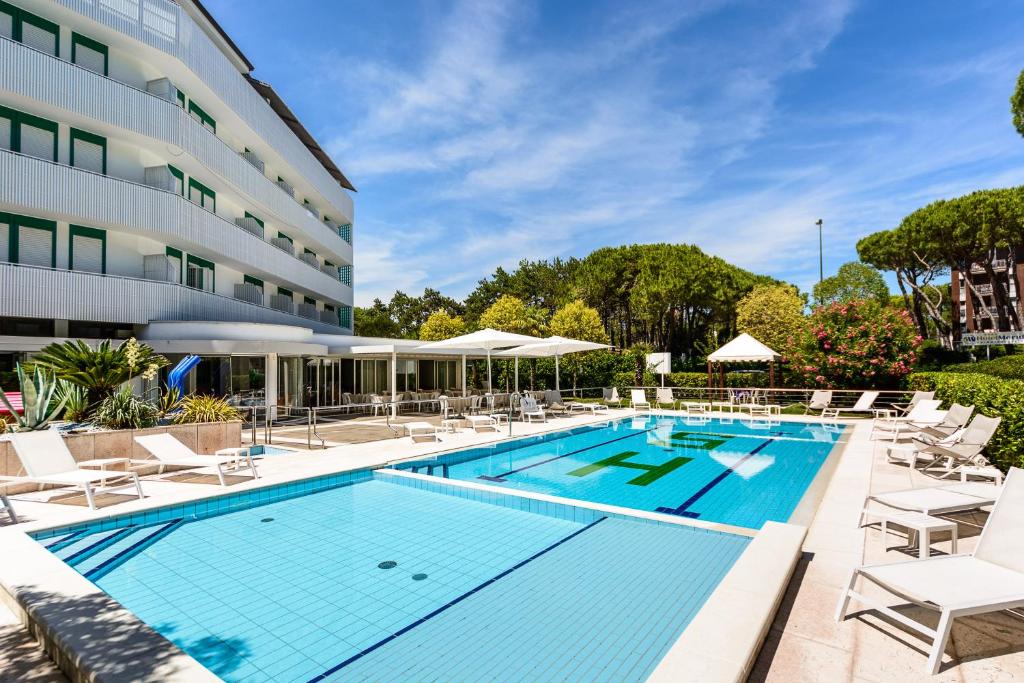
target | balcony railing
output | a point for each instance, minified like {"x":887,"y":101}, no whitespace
{"x":329,"y":270}
{"x":312,"y":210}
{"x":282,"y":302}
{"x":288,"y":189}
{"x":998,"y":265}
{"x":984,"y":290}
{"x":254,"y":160}
{"x":250,"y":224}
{"x":79,"y":295}
{"x":329,"y":317}
{"x":309,"y":260}
{"x":308,"y":311}
{"x":247,"y":291}
{"x":285,"y":245}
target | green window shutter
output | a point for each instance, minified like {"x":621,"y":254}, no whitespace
{"x":179,"y":178}
{"x":32,"y":135}
{"x":202,"y":195}
{"x":345,"y":275}
{"x":6,"y":237}
{"x":284,"y":236}
{"x":176,"y":256}
{"x":8,"y":128}
{"x":258,"y":220}
{"x":89,"y":54}
{"x":37,"y":32}
{"x":33,"y":241}
{"x":285,"y":292}
{"x":87,"y":249}
{"x":88,"y":151}
{"x":200,"y":273}
{"x":197,"y":112}
{"x":249,"y":279}
{"x":181,"y":99}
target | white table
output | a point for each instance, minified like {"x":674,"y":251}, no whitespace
{"x":102,"y":464}
{"x":924,"y":525}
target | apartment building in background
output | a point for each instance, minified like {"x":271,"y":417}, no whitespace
{"x":976,"y":308}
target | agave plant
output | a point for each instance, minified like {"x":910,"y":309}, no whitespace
{"x":37,"y":393}
{"x":102,"y":370}
{"x":206,"y":409}
{"x":125,"y":410}
{"x":169,"y":401}
{"x":76,"y":403}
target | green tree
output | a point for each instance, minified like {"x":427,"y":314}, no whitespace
{"x":511,"y":314}
{"x":442,"y":325}
{"x":576,"y":320}
{"x":853,"y":281}
{"x":1017,"y":104}
{"x":102,"y":370}
{"x":772,"y":314}
{"x":375,"y":321}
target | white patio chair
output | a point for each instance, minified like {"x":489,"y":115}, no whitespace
{"x":937,"y":500}
{"x":925,"y":412}
{"x":169,"y":451}
{"x":663,"y":396}
{"x":610,"y":396}
{"x":863,"y":405}
{"x":530,"y":411}
{"x":820,"y":400}
{"x":989,"y":580}
{"x":47,"y":460}
{"x":638,"y":399}
{"x":918,"y":396}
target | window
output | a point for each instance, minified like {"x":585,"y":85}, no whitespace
{"x":250,"y":280}
{"x":27,"y":28}
{"x":202,"y":117}
{"x":345,"y":316}
{"x":345,"y":232}
{"x":29,"y":241}
{"x":202,"y":195}
{"x":179,"y":180}
{"x":181,"y":98}
{"x":345,"y":275}
{"x":176,"y":260}
{"x":21,"y":132}
{"x":87,"y":249}
{"x":284,"y":292}
{"x":88,"y":151}
{"x":89,"y":53}
{"x":199,"y":273}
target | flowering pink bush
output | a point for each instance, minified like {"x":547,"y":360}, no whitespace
{"x":855,"y":344}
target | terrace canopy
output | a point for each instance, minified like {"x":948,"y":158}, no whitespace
{"x":487,"y":340}
{"x":742,"y":349}
{"x":552,"y":346}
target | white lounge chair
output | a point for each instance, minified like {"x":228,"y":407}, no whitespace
{"x":956,"y":419}
{"x":937,"y":500}
{"x":918,"y":396}
{"x":989,"y":580}
{"x":863,"y":405}
{"x":478,"y":422}
{"x":47,"y":460}
{"x":420,"y":429}
{"x":925,"y":412}
{"x":530,"y":411}
{"x":611,"y":395}
{"x":965,"y":451}
{"x":663,"y":396}
{"x":169,"y":451}
{"x":638,"y":399}
{"x":820,"y":400}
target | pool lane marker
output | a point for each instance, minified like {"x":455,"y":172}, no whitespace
{"x":405,"y":629}
{"x":501,"y":477}
{"x":684,"y":511}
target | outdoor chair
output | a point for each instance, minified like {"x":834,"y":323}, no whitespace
{"x":965,"y":451}
{"x":638,"y":399}
{"x":169,"y":451}
{"x":610,"y":396}
{"x":989,"y":580}
{"x":47,"y":460}
{"x":530,"y":411}
{"x":863,"y":405}
{"x":421,"y":429}
{"x":663,"y":396}
{"x":918,"y":396}
{"x":820,"y":400}
{"x":924,"y":413}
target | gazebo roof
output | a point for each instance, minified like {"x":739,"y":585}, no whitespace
{"x":743,"y":348}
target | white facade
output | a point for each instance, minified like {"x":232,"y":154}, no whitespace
{"x":144,"y":176}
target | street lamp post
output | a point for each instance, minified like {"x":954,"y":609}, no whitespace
{"x":821,"y":254}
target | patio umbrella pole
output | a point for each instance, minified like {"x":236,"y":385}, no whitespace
{"x":463,"y":375}
{"x":556,"y":373}
{"x":517,"y":374}
{"x":490,"y":387}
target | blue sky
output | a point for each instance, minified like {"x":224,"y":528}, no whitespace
{"x":481,"y":133}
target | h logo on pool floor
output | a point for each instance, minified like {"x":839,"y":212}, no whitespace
{"x":651,"y":473}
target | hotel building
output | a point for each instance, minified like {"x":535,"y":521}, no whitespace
{"x":976,"y":306}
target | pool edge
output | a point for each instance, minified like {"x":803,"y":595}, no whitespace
{"x":722,"y":641}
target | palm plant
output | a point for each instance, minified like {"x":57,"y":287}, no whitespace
{"x":102,"y":370}
{"x":37,"y":393}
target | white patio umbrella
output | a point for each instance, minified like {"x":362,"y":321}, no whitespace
{"x":484,"y":340}
{"x":553,"y":346}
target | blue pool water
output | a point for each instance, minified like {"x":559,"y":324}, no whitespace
{"x":736,"y":471}
{"x":382,"y":577}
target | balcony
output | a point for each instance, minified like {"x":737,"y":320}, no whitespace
{"x":310,"y":260}
{"x":52,"y":190}
{"x":329,"y":317}
{"x":283,"y":303}
{"x":308,"y":311}
{"x":256,"y":162}
{"x":329,"y":270}
{"x":311,"y":210}
{"x":68,"y":294}
{"x":998,"y":265}
{"x":983,"y":290}
{"x":247,"y":291}
{"x":288,"y":189}
{"x":284,"y":244}
{"x":40,"y":77}
{"x":250,"y":225}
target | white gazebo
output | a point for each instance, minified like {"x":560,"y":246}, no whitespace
{"x":742,"y":349}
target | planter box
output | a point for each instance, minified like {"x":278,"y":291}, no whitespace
{"x":204,"y":438}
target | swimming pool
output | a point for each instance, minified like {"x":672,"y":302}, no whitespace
{"x":731,"y":470}
{"x":380,"y":576}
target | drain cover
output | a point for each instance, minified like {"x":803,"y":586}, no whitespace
{"x":387,"y":564}
{"x":418,"y":577}
{"x":267,"y":519}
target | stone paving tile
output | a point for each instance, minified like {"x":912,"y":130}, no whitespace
{"x":21,"y":657}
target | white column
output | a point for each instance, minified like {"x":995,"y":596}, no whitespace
{"x":517,"y":374}
{"x":490,"y":386}
{"x":394,"y":383}
{"x":270,"y":386}
{"x":463,"y":374}
{"x":556,"y":372}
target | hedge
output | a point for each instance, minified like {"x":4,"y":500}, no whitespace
{"x":990,"y":396}
{"x":1006,"y":367}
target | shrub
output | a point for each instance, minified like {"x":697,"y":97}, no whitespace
{"x":205,"y":409}
{"x":1005,"y":367}
{"x":855,"y":344}
{"x":102,"y":370}
{"x":990,"y":396}
{"x":125,"y":410}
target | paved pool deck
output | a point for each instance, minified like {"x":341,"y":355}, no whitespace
{"x":803,"y":644}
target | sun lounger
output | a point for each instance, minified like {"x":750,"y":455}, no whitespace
{"x":638,"y":399}
{"x":47,"y":460}
{"x":478,"y":422}
{"x":419,"y":429}
{"x":938,"y":500}
{"x":169,"y":451}
{"x":926,"y":412}
{"x":610,"y":396}
{"x":956,"y":418}
{"x":820,"y":400}
{"x":989,"y":580}
{"x":918,"y":396}
{"x":863,"y":405}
